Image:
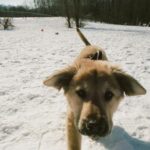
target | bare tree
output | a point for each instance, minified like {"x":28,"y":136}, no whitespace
{"x":6,"y":23}
{"x":67,"y":12}
{"x":77,"y":5}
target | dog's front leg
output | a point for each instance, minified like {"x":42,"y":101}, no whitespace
{"x":73,"y":136}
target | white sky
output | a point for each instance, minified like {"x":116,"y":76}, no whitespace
{"x":16,"y":2}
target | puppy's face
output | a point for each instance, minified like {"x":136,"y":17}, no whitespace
{"x":93,"y":96}
{"x":94,"y":90}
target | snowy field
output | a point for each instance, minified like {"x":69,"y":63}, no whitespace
{"x":32,"y":116}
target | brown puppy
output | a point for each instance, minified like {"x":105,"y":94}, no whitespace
{"x":93,"y":90}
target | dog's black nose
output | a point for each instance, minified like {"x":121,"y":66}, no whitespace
{"x":91,"y":125}
{"x":97,"y":127}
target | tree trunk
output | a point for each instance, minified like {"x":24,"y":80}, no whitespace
{"x":6,"y":21}
{"x":77,"y":12}
{"x":67,"y":13}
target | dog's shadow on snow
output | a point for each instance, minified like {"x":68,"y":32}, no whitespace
{"x":119,"y":139}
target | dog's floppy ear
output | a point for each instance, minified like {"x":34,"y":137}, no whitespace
{"x":128,"y":84}
{"x":61,"y":79}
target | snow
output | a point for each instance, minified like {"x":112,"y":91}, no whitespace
{"x":32,"y":116}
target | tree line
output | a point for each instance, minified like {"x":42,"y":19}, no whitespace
{"x":130,"y":12}
{"x":20,"y":11}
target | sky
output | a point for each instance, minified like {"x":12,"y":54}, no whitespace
{"x":16,"y":2}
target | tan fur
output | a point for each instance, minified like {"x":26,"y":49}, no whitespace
{"x":95,"y":78}
{"x":73,"y":136}
{"x":89,"y":50}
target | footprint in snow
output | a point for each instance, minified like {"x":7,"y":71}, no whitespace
{"x":130,"y":54}
{"x":54,"y":96}
{"x":26,"y":134}
{"x":10,"y":129}
{"x":148,"y":59}
{"x":142,"y":127}
{"x":15,"y":62}
{"x":130,"y":63}
{"x":146,"y":68}
{"x":148,"y":118}
{"x":2,"y":93}
{"x":12,"y":111}
{"x":32,"y":96}
{"x":53,"y":54}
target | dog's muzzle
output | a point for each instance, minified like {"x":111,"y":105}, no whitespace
{"x":95,"y":127}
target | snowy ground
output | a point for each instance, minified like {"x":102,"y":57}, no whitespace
{"x":32,"y":117}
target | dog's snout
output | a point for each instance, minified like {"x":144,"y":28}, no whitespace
{"x":89,"y":126}
{"x":97,"y":127}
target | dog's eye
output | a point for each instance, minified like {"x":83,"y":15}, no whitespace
{"x":108,"y":95}
{"x":81,"y":93}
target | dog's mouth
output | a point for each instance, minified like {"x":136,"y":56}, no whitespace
{"x":98,"y":136}
{"x":95,"y":135}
